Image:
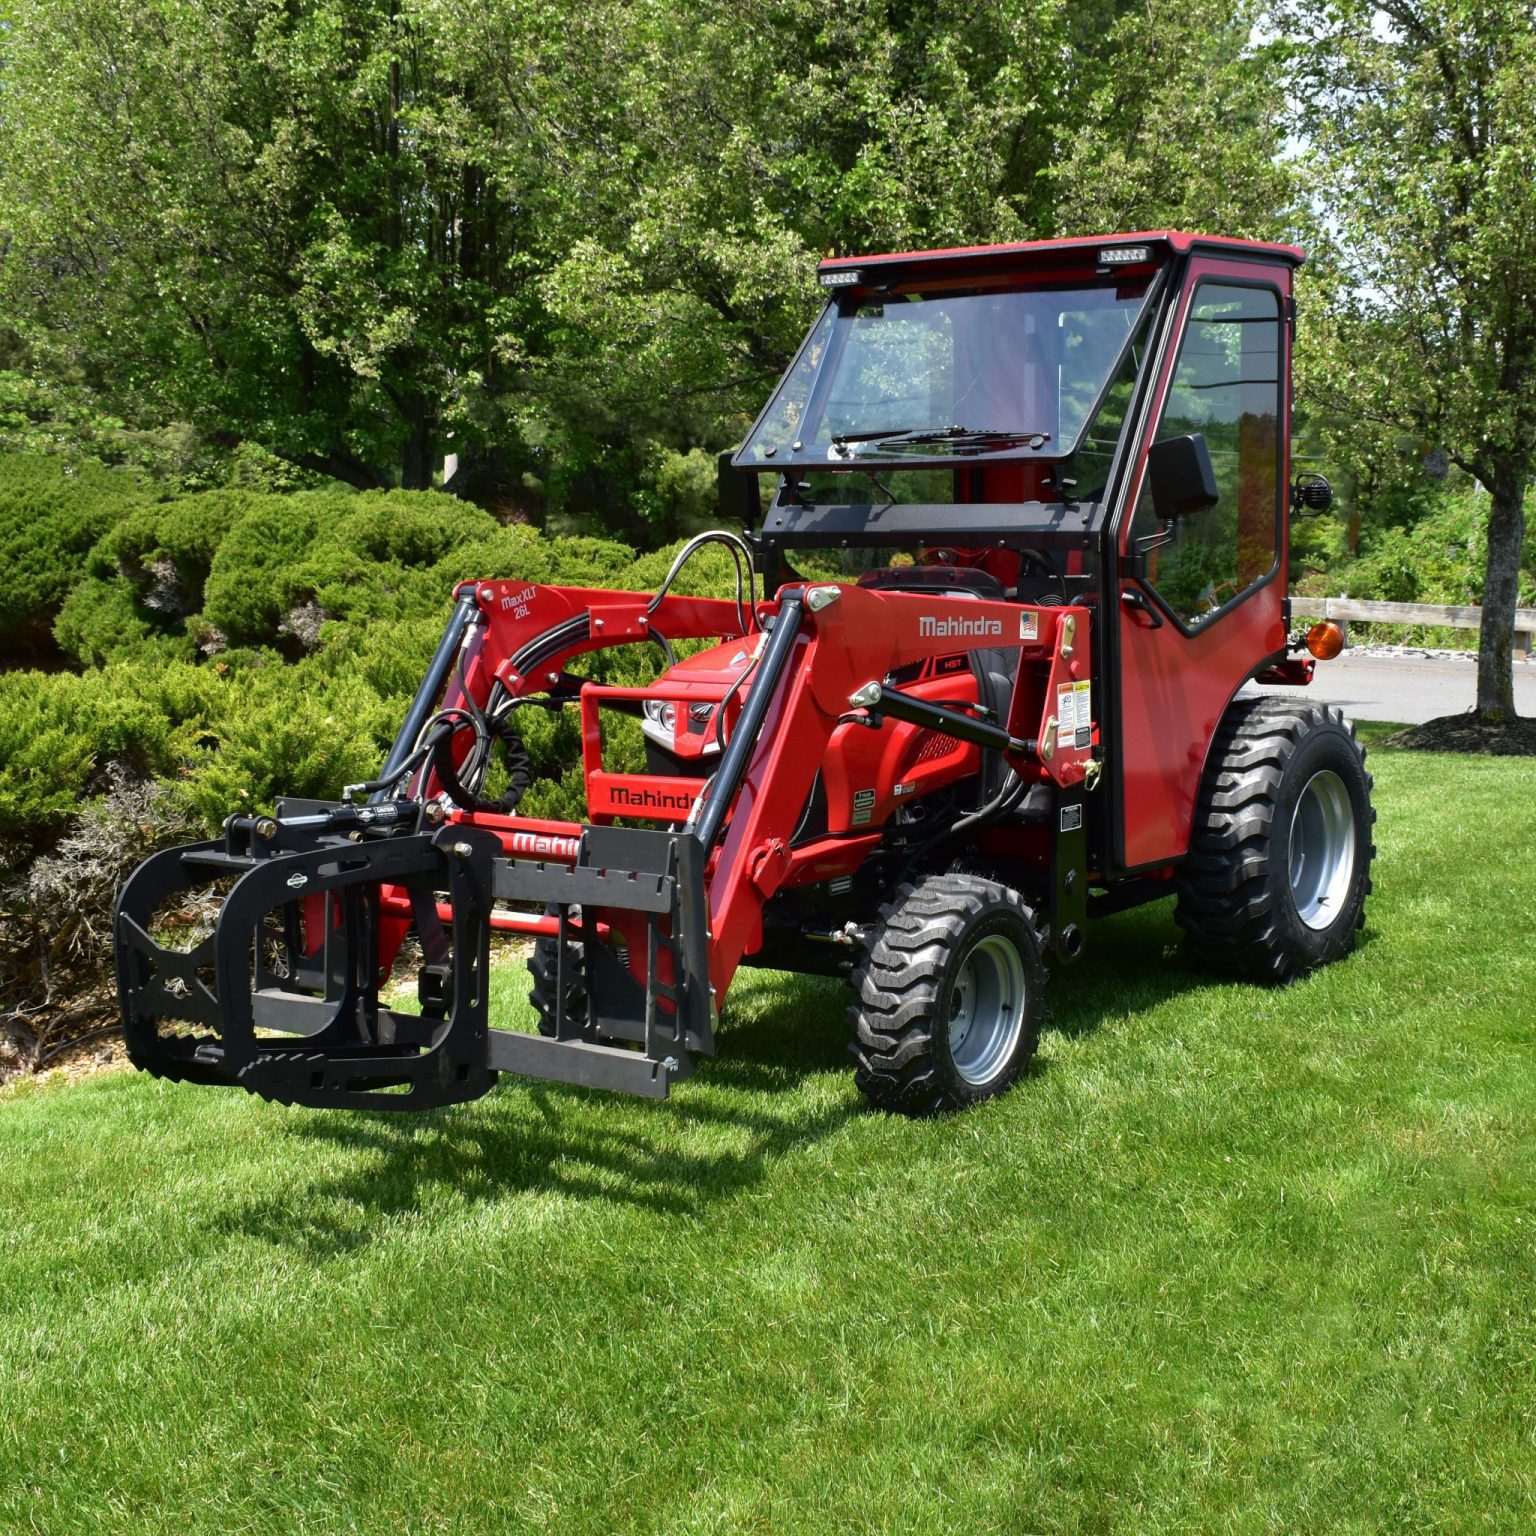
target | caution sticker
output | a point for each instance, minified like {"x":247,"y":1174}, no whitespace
{"x":1074,"y":712}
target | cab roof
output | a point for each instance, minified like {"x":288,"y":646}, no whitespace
{"x":1175,"y":242}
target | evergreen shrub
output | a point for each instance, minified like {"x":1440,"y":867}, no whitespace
{"x":52,"y":513}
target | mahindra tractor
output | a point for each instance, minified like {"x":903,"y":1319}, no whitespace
{"x":1010,"y":555}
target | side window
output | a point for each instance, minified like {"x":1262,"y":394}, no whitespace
{"x":1226,"y":386}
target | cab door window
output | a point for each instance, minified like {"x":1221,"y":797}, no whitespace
{"x":1226,"y":387}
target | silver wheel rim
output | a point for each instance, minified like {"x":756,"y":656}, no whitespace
{"x":1322,"y":850}
{"x":986,"y":1010}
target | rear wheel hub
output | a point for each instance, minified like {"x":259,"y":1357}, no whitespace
{"x":1322,"y":860}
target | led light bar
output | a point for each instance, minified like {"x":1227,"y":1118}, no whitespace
{"x":844,"y":279}
{"x":1124,"y":255}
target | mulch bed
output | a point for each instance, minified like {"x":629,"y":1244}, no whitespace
{"x":1467,"y":733}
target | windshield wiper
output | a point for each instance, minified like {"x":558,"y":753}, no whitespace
{"x":955,"y":437}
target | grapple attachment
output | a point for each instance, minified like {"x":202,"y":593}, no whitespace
{"x":282,"y":997}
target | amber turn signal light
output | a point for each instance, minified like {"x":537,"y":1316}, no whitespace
{"x":1325,"y":640}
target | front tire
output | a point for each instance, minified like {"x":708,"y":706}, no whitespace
{"x":946,"y":1003}
{"x":1279,"y":862}
{"x":543,"y":968}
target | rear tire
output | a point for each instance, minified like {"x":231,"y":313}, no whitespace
{"x":946,"y":1003}
{"x":1278,"y":868}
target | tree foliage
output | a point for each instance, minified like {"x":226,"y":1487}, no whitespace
{"x":1422,"y":118}
{"x":272,"y":220}
{"x":562,"y":242}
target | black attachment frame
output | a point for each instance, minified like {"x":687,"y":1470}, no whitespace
{"x":313,"y":1032}
{"x":659,"y":874}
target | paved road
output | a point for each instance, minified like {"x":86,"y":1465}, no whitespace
{"x":1407,"y":688}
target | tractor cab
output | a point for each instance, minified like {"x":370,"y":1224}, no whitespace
{"x":1094,"y":422}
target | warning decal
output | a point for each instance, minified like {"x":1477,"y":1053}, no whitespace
{"x":1074,"y":711}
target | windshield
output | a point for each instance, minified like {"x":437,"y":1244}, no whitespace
{"x":948,"y":374}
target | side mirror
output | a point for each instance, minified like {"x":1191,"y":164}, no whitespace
{"x":1183,"y":482}
{"x":1311,"y":495}
{"x":740,"y":505}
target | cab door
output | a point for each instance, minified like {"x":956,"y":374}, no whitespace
{"x":1200,"y":602}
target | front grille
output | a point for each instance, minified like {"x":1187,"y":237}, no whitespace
{"x":935,"y":744}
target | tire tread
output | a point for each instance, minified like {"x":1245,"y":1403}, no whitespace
{"x":898,"y":984}
{"x":1231,"y":912}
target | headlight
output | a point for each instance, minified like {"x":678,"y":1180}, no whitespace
{"x":658,"y":720}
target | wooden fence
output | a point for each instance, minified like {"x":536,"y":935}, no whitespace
{"x":1450,"y":615}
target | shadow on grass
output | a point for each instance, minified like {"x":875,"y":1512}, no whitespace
{"x":1133,"y":962}
{"x":722,"y":1133}
{"x":1130,"y":961}
{"x":719,"y":1135}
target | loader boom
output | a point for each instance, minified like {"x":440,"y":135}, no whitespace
{"x":342,"y":885}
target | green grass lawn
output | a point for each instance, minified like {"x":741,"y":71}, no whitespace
{"x":1229,"y":1260}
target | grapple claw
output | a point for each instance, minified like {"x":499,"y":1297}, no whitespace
{"x":283,"y":995}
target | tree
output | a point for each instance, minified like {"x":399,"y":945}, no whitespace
{"x":577,"y":238}
{"x":1421,"y":115}
{"x":272,"y":220}
{"x":723,"y":146}
{"x":1182,"y":126}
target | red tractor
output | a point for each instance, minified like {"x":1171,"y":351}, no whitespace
{"x":1040,"y":494}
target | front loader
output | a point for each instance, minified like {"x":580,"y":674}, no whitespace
{"x":1040,"y":496}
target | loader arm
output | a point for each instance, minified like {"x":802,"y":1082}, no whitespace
{"x":661,"y":916}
